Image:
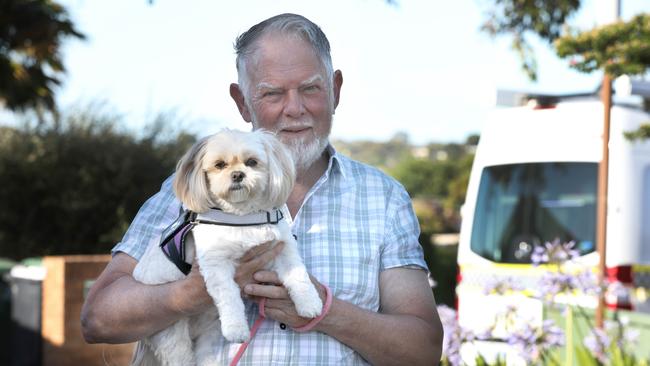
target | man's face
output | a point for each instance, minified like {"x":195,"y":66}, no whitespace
{"x":290,"y":94}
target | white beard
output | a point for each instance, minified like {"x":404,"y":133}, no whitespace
{"x":306,"y":153}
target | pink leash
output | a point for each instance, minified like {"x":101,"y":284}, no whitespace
{"x":305,"y":328}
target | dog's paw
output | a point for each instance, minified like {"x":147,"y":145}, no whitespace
{"x":236,"y":333}
{"x":309,"y":306}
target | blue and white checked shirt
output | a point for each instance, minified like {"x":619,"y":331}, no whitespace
{"x":354,"y":223}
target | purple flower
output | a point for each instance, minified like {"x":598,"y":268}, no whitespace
{"x":624,"y":337}
{"x":454,"y":335}
{"x":615,"y":335}
{"x":554,"y":252}
{"x":502,"y":286}
{"x":554,"y":283}
{"x":532,"y":342}
{"x":588,"y":283}
{"x":539,"y":256}
{"x":598,"y":342}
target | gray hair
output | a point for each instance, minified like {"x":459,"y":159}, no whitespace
{"x":292,"y":24}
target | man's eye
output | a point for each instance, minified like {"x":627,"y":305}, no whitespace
{"x":251,"y":162}
{"x":220,"y":165}
{"x":271,"y":94}
{"x":311,"y":88}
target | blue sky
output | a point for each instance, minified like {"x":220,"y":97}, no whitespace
{"x":418,"y":67}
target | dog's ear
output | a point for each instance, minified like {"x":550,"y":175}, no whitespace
{"x":190,"y":182}
{"x":282,"y":171}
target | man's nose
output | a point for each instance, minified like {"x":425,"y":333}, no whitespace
{"x":237,"y":176}
{"x":294,"y":106}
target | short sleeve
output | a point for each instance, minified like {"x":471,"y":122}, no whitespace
{"x":401,"y":245}
{"x":153,"y":217}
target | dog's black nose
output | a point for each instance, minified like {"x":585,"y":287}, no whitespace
{"x":237,"y":176}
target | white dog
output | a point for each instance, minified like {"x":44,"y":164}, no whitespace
{"x":245,"y":176}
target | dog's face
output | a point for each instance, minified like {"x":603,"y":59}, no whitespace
{"x":239,"y":172}
{"x":236,"y":170}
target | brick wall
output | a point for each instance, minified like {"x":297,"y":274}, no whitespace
{"x":63,"y":296}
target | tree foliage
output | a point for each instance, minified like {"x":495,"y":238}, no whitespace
{"x":384,"y":155}
{"x":438,"y":189}
{"x":642,"y":133}
{"x":423,"y":177}
{"x":75,"y":189}
{"x":618,"y":48}
{"x":31,"y":32}
{"x":521,"y":18}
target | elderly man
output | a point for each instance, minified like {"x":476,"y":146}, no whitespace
{"x":355,"y":227}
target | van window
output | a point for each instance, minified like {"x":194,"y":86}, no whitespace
{"x":520,"y":206}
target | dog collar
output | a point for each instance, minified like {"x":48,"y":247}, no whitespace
{"x":216,"y":216}
{"x":174,"y":236}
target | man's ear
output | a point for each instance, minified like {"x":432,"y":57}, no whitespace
{"x":237,"y":95}
{"x":337,"y":82}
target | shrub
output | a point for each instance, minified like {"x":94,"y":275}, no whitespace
{"x":73,"y":187}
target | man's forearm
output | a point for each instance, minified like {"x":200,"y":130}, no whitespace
{"x":383,"y":339}
{"x":120,"y":309}
{"x":127,"y":310}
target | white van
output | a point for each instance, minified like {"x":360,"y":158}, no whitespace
{"x":534,"y":179}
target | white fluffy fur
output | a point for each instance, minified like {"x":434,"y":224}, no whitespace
{"x":201,"y":182}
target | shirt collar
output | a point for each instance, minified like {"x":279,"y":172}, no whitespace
{"x":335,"y":163}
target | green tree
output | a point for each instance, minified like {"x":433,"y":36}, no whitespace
{"x":438,"y":190}
{"x":472,"y":140}
{"x":423,"y":177}
{"x":619,"y":48}
{"x":31,"y":34}
{"x":75,"y":189}
{"x":520,"y":19}
{"x":436,"y":180}
{"x":457,"y":186}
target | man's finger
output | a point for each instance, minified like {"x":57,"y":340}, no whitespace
{"x":270,"y":291}
{"x":267,"y":277}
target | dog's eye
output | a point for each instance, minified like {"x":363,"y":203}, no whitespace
{"x":251,"y":162}
{"x":220,"y":165}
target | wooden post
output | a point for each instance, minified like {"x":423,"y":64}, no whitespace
{"x":603,"y":171}
{"x":601,"y":223}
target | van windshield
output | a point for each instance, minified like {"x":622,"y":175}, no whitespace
{"x":520,"y":206}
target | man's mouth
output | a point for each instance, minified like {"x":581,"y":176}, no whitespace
{"x":295,"y":130}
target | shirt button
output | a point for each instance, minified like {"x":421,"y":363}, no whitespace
{"x":283,"y":326}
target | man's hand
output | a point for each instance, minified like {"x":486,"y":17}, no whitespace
{"x":255,"y":260}
{"x":252,"y":261}
{"x":279,"y":305}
